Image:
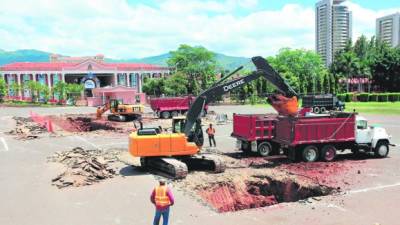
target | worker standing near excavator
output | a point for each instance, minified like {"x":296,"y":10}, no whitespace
{"x":162,"y":198}
{"x":211,"y":132}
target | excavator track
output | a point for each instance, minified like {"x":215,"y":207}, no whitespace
{"x":169,"y":167}
{"x":207,"y":162}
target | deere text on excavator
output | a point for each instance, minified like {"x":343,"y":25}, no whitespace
{"x":120,"y":112}
{"x":174,"y":153}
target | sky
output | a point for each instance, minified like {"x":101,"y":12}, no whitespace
{"x":140,"y":28}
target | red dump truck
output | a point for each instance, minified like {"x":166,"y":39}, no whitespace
{"x":310,"y":138}
{"x":167,"y":107}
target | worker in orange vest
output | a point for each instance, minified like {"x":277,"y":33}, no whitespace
{"x":211,"y":131}
{"x":162,"y":198}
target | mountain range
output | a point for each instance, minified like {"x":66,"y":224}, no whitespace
{"x":32,"y":55}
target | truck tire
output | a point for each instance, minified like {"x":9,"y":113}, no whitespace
{"x":316,"y":110}
{"x":328,"y":153}
{"x":382,"y":149}
{"x":174,"y":113}
{"x":165,"y":115}
{"x":323,"y":110}
{"x":246,"y":147}
{"x":310,"y":153}
{"x":264,"y":149}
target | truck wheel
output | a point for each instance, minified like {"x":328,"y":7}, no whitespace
{"x":323,"y":110}
{"x":316,"y":110}
{"x":264,"y":149}
{"x":246,"y":147}
{"x":382,"y":149}
{"x":174,"y":113}
{"x":328,"y":153}
{"x":165,"y":115}
{"x":310,"y":153}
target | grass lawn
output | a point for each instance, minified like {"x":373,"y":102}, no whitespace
{"x":384,"y":108}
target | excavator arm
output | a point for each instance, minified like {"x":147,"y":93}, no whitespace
{"x":285,"y":102}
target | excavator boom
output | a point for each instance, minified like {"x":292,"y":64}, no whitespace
{"x":284,"y":103}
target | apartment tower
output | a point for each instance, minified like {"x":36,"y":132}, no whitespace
{"x":333,"y":28}
{"x":388,"y":29}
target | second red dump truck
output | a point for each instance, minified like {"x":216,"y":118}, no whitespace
{"x":310,"y":138}
{"x":167,"y":107}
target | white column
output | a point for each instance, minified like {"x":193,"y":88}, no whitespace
{"x":115,"y":80}
{"x":63,"y":77}
{"x":139,"y":82}
{"x":19,"y":83}
{"x":128,"y":79}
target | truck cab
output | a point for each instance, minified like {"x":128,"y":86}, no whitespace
{"x":371,"y":138}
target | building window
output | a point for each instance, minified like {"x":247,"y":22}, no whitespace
{"x":25,"y":79}
{"x":133,"y":79}
{"x":41,"y":78}
{"x":122,"y":79}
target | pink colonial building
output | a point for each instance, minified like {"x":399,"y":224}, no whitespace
{"x":101,"y":80}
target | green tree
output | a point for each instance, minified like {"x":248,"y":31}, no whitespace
{"x":16,"y":88}
{"x":153,"y":86}
{"x":303,"y":70}
{"x":34,"y":88}
{"x":176,"y":85}
{"x":197,"y":63}
{"x":60,"y":89}
{"x":3,"y":89}
{"x":45,"y":92}
{"x":385,"y":66}
{"x":74,"y":91}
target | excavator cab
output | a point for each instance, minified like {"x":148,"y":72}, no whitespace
{"x":178,"y":124}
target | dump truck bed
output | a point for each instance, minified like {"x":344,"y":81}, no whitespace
{"x":292,"y":131}
{"x":251,"y":127}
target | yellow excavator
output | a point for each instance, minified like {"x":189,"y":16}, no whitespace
{"x":120,"y":112}
{"x":176,"y":152}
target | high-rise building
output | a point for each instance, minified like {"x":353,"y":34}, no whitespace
{"x":333,"y":28}
{"x":388,"y":29}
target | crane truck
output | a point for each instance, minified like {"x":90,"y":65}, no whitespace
{"x":176,"y":152}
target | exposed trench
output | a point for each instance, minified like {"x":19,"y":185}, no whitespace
{"x":256,"y":193}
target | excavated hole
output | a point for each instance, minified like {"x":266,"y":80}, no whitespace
{"x":85,"y":124}
{"x":235,"y":196}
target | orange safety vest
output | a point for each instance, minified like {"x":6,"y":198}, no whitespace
{"x":161,"y":197}
{"x":210,"y":131}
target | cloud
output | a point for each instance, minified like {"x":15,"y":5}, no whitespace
{"x":364,"y":20}
{"x":119,"y":29}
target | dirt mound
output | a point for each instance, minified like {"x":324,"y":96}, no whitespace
{"x":84,"y":167}
{"x":26,"y":129}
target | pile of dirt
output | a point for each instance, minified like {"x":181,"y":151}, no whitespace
{"x":26,"y":129}
{"x":84,"y":167}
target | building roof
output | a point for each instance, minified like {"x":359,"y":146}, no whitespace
{"x":60,"y":66}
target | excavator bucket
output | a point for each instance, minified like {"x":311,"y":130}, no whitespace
{"x":283,"y":105}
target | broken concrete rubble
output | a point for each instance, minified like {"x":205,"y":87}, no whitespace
{"x":26,"y":129}
{"x":84,"y":167}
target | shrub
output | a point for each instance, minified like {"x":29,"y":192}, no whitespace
{"x":363,"y":97}
{"x":341,"y":97}
{"x":348,"y":97}
{"x":373,"y":97}
{"x":383,"y":97}
{"x":393,"y":97}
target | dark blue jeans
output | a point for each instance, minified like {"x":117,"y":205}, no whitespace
{"x":164,"y":213}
